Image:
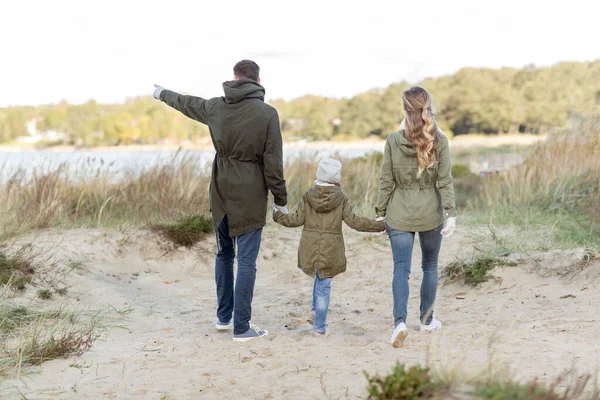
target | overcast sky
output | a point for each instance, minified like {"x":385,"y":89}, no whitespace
{"x":112,"y":49}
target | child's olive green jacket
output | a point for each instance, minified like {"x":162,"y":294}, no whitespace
{"x":321,"y":212}
{"x":409,"y":202}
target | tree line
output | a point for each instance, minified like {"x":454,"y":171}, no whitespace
{"x":473,"y":100}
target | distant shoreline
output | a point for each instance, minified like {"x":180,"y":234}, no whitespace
{"x":300,"y":145}
{"x":368,"y":144}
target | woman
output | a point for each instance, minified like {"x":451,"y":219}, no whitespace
{"x":416,"y":194}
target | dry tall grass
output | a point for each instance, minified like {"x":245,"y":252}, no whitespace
{"x":557,"y":185}
{"x":58,"y":197}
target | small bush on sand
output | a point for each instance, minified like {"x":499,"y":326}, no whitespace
{"x":16,"y":269}
{"x":186,"y":231}
{"x":403,"y":383}
{"x":499,"y":390}
{"x":473,"y":272}
{"x":45,"y":294}
{"x":419,"y":383}
{"x":515,"y":391}
{"x":30,"y":337}
{"x":69,"y":341}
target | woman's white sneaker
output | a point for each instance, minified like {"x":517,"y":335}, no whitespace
{"x":435,"y":325}
{"x":399,"y":336}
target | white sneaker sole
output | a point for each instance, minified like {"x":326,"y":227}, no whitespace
{"x":249,"y":338}
{"x":223,"y":327}
{"x":399,"y":341}
{"x":425,"y":328}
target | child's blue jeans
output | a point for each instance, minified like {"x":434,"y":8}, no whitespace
{"x":320,"y":303}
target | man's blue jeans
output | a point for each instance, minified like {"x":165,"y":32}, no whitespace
{"x":236,"y":300}
{"x":320,"y":302}
{"x":402,"y":248}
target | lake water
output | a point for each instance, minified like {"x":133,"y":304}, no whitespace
{"x":120,"y":163}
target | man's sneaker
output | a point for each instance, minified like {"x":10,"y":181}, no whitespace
{"x":399,"y":336}
{"x":252,"y":333}
{"x":433,"y":326}
{"x":221,"y":326}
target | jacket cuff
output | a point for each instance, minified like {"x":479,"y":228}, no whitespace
{"x":450,"y":214}
{"x":163,"y":95}
{"x":281,"y":201}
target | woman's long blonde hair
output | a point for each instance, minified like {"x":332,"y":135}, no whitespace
{"x":420,"y":125}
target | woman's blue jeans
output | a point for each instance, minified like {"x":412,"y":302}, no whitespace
{"x":402,"y":247}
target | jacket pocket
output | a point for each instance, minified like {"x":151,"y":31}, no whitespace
{"x":405,"y":174}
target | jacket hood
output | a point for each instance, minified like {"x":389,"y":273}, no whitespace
{"x":405,"y":145}
{"x":324,"y":199}
{"x":242,"y":89}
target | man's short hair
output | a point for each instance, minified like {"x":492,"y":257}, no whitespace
{"x":247,"y":69}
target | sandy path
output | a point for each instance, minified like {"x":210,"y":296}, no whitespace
{"x":167,"y":346}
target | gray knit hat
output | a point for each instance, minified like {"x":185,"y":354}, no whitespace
{"x":329,"y":171}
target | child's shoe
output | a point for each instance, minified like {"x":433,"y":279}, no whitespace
{"x":311,"y":317}
{"x":319,"y":334}
{"x":399,"y":336}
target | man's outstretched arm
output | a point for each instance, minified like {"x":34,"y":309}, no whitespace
{"x":190,"y":106}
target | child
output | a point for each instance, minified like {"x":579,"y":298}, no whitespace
{"x":321,"y":253}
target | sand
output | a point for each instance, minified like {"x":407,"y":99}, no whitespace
{"x":167,"y":347}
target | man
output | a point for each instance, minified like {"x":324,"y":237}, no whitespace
{"x":246,"y":136}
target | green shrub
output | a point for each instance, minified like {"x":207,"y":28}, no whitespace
{"x":474,"y":272}
{"x":406,"y":384}
{"x":515,"y":391}
{"x":187,"y":231}
{"x":45,"y":294}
